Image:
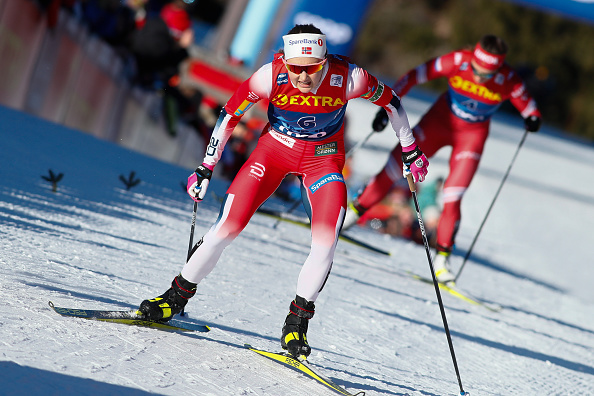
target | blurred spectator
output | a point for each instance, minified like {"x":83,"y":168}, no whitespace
{"x":111,"y":20}
{"x":395,"y":226}
{"x":182,"y":102}
{"x":157,"y":51}
{"x":237,"y":150}
{"x":429,"y":195}
{"x":393,"y":214}
{"x":178,"y":21}
{"x":154,"y":7}
{"x":138,"y":8}
{"x":207,"y":11}
{"x":429,"y":198}
{"x":51,"y":8}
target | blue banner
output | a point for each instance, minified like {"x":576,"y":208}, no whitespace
{"x":578,"y":9}
{"x":253,"y":29}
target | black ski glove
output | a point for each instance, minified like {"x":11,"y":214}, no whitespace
{"x":380,"y":121}
{"x":532,"y":123}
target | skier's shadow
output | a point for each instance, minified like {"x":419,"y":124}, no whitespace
{"x":485,"y":262}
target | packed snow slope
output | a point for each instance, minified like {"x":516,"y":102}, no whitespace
{"x":94,"y":244}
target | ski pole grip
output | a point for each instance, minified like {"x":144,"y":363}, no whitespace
{"x":411,"y":182}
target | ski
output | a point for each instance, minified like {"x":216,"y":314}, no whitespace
{"x":364,"y":245}
{"x":129,"y":318}
{"x":304,"y":222}
{"x":303,"y":367}
{"x":451,"y":288}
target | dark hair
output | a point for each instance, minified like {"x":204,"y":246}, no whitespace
{"x":493,"y":44}
{"x":309,"y":28}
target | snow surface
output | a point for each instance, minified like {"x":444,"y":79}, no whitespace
{"x":95,"y":245}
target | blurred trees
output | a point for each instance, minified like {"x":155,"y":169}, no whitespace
{"x":555,"y":56}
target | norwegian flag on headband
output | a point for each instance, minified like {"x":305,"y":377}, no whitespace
{"x":306,"y":50}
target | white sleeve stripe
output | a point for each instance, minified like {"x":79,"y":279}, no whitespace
{"x":529,"y":109}
{"x":453,"y":194}
{"x":356,"y":84}
{"x":438,"y":66}
{"x":224,"y":213}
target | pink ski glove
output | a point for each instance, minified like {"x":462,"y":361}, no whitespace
{"x":414,"y":162}
{"x":198,"y":183}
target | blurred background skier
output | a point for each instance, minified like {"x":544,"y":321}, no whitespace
{"x":479,"y":81}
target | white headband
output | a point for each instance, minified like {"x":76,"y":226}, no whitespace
{"x":309,"y":45}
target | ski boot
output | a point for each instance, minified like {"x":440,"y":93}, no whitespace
{"x":441,"y":265}
{"x":354,"y":212}
{"x":294,"y":337}
{"x":170,"y":303}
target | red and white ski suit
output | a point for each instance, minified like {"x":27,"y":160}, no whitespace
{"x":305,"y":137}
{"x":460,"y":118}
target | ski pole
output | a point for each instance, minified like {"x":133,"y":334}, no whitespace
{"x":491,"y":206}
{"x":192,"y":231}
{"x":359,"y":144}
{"x":191,"y":240}
{"x":413,"y":190}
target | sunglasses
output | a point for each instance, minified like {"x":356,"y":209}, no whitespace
{"x":309,"y":69}
{"x":483,"y":75}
